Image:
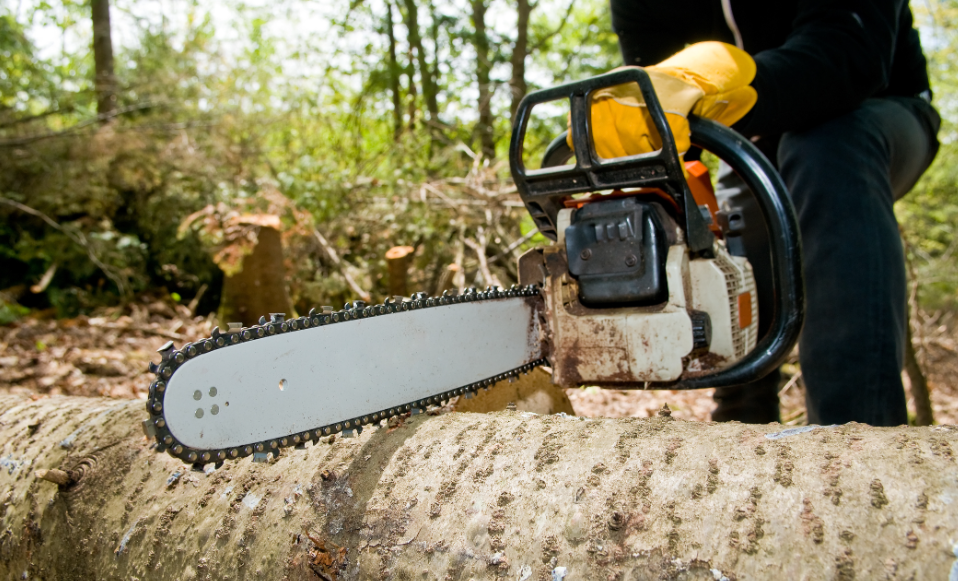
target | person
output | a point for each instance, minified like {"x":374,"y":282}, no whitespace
{"x":842,"y":106}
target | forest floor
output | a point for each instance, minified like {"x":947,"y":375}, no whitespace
{"x":108,"y":354}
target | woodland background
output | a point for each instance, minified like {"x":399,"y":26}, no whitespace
{"x":144,"y":145}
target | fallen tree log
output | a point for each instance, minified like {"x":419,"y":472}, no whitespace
{"x":463,"y":496}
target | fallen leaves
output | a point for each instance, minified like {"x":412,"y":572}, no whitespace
{"x":102,"y":355}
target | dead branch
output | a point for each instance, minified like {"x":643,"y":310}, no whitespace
{"x":75,"y":128}
{"x":334,"y":257}
{"x":77,"y":237}
{"x":480,"y":249}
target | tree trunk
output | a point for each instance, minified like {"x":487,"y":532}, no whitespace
{"x":517,"y":84}
{"x":425,"y":72}
{"x":481,"y":43}
{"x":105,"y":81}
{"x":394,"y":74}
{"x":461,"y":496}
{"x":412,"y":108}
{"x":924,"y":416}
{"x":434,"y":21}
{"x":260,"y":287}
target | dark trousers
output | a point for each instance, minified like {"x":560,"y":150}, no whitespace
{"x":844,"y":177}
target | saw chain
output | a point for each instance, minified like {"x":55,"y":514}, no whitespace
{"x":172,"y":359}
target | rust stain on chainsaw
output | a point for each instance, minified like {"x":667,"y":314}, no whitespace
{"x":705,"y":365}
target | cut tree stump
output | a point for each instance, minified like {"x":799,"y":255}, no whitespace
{"x":397,"y":265}
{"x":260,"y":287}
{"x":462,"y":496}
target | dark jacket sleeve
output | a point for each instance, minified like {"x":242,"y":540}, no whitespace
{"x":839,"y":53}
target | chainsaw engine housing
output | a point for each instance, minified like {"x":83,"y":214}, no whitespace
{"x":708,"y":320}
{"x":617,"y":251}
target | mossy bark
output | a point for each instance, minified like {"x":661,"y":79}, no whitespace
{"x":461,"y":496}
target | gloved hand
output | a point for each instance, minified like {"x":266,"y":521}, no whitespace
{"x":709,"y":79}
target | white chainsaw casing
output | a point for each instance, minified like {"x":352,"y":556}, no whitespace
{"x":626,"y":346}
{"x":724,"y":287}
{"x":617,"y":345}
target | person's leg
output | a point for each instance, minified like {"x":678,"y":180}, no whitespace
{"x":840,"y":175}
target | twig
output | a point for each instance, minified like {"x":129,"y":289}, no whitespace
{"x":480,"y":249}
{"x":442,"y":196}
{"x":514,"y":245}
{"x":73,"y":129}
{"x":144,"y":330}
{"x":794,"y":417}
{"x":196,"y":300}
{"x":44,"y":280}
{"x":342,"y":268}
{"x":790,"y":383}
{"x":459,"y":279}
{"x":76,"y":237}
{"x":58,"y":477}
{"x":545,"y":39}
{"x":36,"y":117}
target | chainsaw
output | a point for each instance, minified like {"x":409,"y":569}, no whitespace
{"x":642,"y":288}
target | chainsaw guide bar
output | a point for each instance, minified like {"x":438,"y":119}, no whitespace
{"x":181,"y":373}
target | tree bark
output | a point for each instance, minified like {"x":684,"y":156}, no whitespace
{"x":260,"y":287}
{"x":394,"y":74}
{"x":105,"y":78}
{"x":461,"y":495}
{"x":520,"y":50}
{"x":484,"y":127}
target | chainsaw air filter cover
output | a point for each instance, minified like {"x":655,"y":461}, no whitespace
{"x":617,"y":251}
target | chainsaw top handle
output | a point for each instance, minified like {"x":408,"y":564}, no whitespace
{"x":543,"y":192}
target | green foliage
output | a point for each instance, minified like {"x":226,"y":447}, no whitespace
{"x":218,"y":109}
{"x":10,"y":311}
{"x":929,"y":214}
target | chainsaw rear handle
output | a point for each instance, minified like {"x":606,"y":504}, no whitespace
{"x":543,"y":190}
{"x":788,"y":283}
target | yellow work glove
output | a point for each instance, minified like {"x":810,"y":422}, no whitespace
{"x":710,"y":79}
